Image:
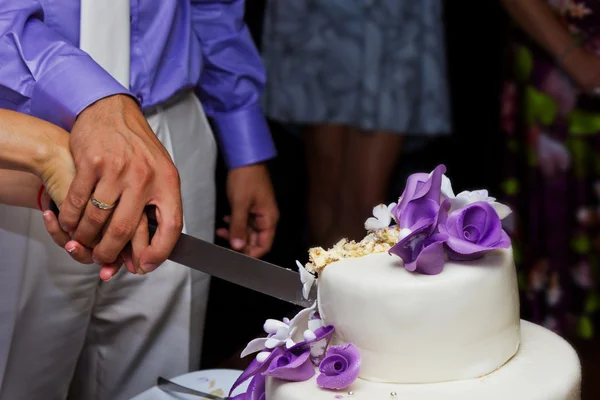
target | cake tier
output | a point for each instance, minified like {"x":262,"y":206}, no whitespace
{"x":414,"y":328}
{"x":545,"y":368}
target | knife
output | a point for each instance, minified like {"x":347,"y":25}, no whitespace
{"x":251,"y":273}
{"x":169,"y":386}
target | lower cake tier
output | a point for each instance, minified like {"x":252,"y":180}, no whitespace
{"x":546,"y":367}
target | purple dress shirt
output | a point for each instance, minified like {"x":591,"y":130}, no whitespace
{"x":175,"y":45}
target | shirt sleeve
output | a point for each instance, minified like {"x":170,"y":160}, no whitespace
{"x":232,"y":81}
{"x":42,"y":74}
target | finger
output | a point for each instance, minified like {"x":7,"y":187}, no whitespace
{"x":227,"y":219}
{"x":94,"y":217}
{"x":239,"y":224}
{"x":109,"y":270}
{"x":77,"y":199}
{"x":169,"y":216}
{"x":223,"y":233}
{"x":79,"y":253}
{"x":121,"y":228}
{"x":139,"y":242}
{"x":128,"y":259}
{"x":62,"y":239}
{"x":264,"y":243}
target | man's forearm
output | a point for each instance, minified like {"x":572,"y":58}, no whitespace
{"x":19,"y":188}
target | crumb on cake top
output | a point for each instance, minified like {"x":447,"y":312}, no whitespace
{"x":377,"y":241}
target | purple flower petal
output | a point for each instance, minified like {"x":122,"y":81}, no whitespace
{"x":340,"y":367}
{"x":473,"y":231}
{"x":423,"y":249}
{"x":420,"y":186}
{"x":257,"y":388}
{"x":291,"y":367}
{"x":254,"y":368}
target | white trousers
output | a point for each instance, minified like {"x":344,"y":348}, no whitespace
{"x":63,"y":332}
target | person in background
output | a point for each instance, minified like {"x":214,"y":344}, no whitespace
{"x":131,"y":82}
{"x":358,"y":76}
{"x":551,"y":122}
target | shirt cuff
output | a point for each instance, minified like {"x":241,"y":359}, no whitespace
{"x":244,"y":137}
{"x":68,"y":88}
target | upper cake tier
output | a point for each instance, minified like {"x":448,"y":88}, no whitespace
{"x":414,"y":328}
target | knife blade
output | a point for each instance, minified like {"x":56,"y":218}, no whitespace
{"x":170,"y":386}
{"x":251,"y":273}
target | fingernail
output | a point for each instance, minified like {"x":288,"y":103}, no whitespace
{"x":47,"y":215}
{"x":237,"y":244}
{"x":70,"y":248}
{"x":149,"y":268}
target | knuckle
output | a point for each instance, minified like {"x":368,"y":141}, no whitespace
{"x":97,"y":161}
{"x":78,"y":201}
{"x":118,"y":165}
{"x":96,"y":219}
{"x":122,"y":230}
{"x":102,"y":255}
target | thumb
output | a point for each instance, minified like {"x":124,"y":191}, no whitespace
{"x":239,"y":224}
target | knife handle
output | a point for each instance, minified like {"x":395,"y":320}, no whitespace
{"x":150,"y":213}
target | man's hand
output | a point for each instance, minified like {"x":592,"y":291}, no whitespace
{"x":254,"y":212}
{"x":120,"y":161}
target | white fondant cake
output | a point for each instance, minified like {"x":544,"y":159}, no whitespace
{"x":545,"y":368}
{"x":425,"y":309}
{"x":413,"y":328}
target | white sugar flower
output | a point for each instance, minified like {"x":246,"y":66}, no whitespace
{"x":306,"y":278}
{"x":279,"y":333}
{"x":447,"y":192}
{"x":465,"y":198}
{"x":382,"y":217}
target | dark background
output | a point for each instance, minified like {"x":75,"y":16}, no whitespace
{"x":475,"y":45}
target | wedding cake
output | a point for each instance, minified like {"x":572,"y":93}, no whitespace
{"x":425,"y":307}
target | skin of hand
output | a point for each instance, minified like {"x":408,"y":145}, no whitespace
{"x":254,"y":212}
{"x":584,"y":68}
{"x":119,"y":160}
{"x":57,"y":170}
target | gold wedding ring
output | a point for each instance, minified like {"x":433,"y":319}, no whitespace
{"x":101,"y":205}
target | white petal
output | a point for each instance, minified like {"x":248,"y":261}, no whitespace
{"x":271,"y":343}
{"x":458,"y":202}
{"x":253,"y":346}
{"x":302,"y":316}
{"x":502,"y":209}
{"x":309,"y":335}
{"x":262,"y":356}
{"x":306,"y":278}
{"x":382,"y":218}
{"x":315,"y":324}
{"x":404,"y":232}
{"x":282,"y":334}
{"x":272,"y":325}
{"x":289,"y":343}
{"x":447,"y":191}
{"x":372,"y":224}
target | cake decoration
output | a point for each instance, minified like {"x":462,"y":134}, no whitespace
{"x":306,"y":278}
{"x":290,"y":352}
{"x":340,"y":367}
{"x":431,"y":225}
{"x":473,"y":231}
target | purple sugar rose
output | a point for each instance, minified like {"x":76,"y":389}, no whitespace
{"x":340,"y":367}
{"x":420,"y":186}
{"x":422,"y":250}
{"x":291,"y":366}
{"x":473,"y":231}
